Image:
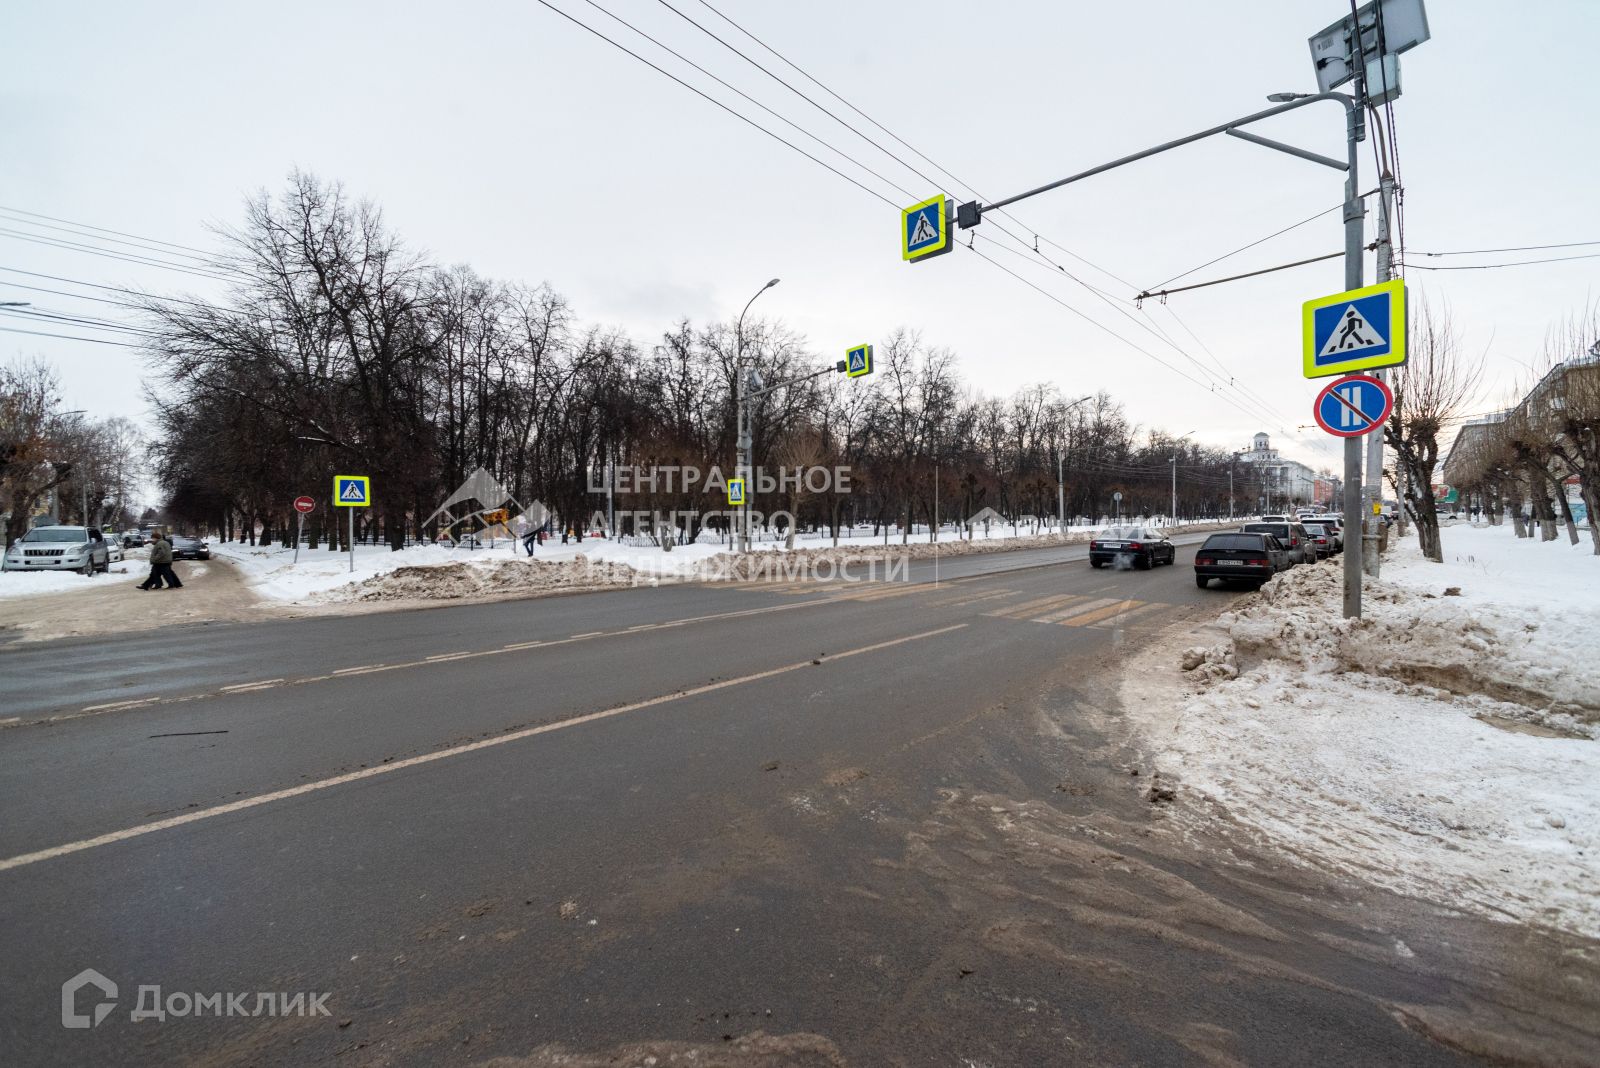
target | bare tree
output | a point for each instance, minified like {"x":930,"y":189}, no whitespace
{"x":1572,"y":412}
{"x":1430,"y":391}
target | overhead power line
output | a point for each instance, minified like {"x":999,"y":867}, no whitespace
{"x":946,"y":172}
{"x":1514,"y":248}
{"x":143,"y":261}
{"x":1494,"y":266}
{"x":69,"y":337}
{"x":706,"y":96}
{"x":1164,"y":293}
{"x":78,"y":230}
{"x":1246,"y":248}
{"x":104,"y":230}
{"x":106,"y":288}
{"x":1210,"y":387}
{"x":740,"y":92}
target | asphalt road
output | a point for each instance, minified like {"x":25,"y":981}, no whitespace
{"x":890,"y":816}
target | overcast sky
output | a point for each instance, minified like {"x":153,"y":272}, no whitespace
{"x":502,"y":136}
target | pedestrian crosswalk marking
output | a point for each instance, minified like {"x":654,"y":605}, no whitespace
{"x":1352,"y":334}
{"x":1099,"y":614}
{"x":1032,"y":608}
{"x":1076,"y":610}
{"x":964,"y":599}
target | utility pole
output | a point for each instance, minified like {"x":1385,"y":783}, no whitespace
{"x":741,"y":401}
{"x":1061,"y":486}
{"x":1173,"y":515}
{"x":1385,"y":267}
{"x":1232,"y":459}
{"x":1354,"y":217}
{"x":971,"y":214}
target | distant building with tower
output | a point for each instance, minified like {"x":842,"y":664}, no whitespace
{"x":1284,"y":483}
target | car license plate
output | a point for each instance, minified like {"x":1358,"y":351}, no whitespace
{"x":1231,"y":563}
{"x":1111,"y":545}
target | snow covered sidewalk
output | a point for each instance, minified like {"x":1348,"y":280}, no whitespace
{"x":1446,"y":745}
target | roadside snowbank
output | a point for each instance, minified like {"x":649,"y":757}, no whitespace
{"x":33,"y":583}
{"x":434,"y":572}
{"x":1444,"y":745}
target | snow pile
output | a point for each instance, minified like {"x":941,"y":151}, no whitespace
{"x":31,"y":583}
{"x":1443,"y":745}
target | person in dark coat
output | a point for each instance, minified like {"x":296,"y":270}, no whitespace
{"x":153,"y":580}
{"x":161,"y":566}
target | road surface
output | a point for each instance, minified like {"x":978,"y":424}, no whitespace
{"x":887,"y":823}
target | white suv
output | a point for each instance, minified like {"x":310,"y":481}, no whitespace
{"x":58,"y":549}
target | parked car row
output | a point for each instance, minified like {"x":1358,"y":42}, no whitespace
{"x":1257,"y":551}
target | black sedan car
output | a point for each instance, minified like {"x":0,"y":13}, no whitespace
{"x":1133,"y":546}
{"x":1241,"y":557}
{"x":186,"y":548}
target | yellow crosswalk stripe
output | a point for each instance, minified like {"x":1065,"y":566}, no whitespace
{"x":965,"y":599}
{"x":1077,"y":609}
{"x":1098,"y":614}
{"x":1034,"y":607}
{"x":884,"y":591}
{"x":1127,"y":617}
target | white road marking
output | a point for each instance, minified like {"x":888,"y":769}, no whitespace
{"x":247,"y":687}
{"x":113,"y":704}
{"x":124,"y":835}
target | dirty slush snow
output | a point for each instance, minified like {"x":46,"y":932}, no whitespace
{"x":1446,"y":745}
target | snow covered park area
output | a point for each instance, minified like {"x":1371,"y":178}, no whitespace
{"x":1446,"y":745}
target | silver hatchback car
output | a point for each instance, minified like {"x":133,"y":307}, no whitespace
{"x":58,"y":549}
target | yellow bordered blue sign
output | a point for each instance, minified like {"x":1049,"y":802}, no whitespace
{"x":925,"y":230}
{"x":352,"y":491}
{"x":858,"y":361}
{"x":736,"y":491}
{"x":1356,"y":330}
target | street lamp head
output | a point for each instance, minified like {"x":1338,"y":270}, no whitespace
{"x":1284,"y":98}
{"x":770,"y":284}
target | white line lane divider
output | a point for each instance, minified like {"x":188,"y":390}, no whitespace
{"x":438,"y":658}
{"x":24,"y":859}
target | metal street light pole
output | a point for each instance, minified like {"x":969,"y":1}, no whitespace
{"x":1374,"y":486}
{"x":971,"y":214}
{"x":1173,"y":515}
{"x":741,"y":395}
{"x":1061,"y":485}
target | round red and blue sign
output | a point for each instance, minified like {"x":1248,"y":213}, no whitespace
{"x":1352,"y":406}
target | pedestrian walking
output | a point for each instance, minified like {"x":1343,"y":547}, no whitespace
{"x":161,"y":566}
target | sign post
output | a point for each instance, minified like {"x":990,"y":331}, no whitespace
{"x":302,"y":505}
{"x":352,"y":492}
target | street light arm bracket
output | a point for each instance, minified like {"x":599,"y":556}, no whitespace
{"x":1348,"y":103}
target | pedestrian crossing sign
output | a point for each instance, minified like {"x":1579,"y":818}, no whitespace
{"x":736,"y":492}
{"x":925,"y":230}
{"x":1356,"y":330}
{"x":858,"y":361}
{"x":352,"y":491}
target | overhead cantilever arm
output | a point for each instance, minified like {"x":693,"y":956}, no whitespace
{"x":970,"y":214}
